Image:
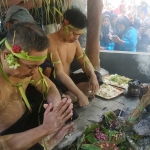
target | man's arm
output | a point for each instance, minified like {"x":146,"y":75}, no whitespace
{"x":53,"y":121}
{"x":9,"y":2}
{"x":47,"y":88}
{"x":22,"y":141}
{"x":31,"y":4}
{"x":28,"y":4}
{"x":66,"y":80}
{"x":63,"y":77}
{"x":87,"y":68}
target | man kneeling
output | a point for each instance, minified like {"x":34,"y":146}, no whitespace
{"x":22,"y":51}
{"x":64,"y":48}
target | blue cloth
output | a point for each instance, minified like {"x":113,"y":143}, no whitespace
{"x":130,"y":40}
{"x":107,"y":46}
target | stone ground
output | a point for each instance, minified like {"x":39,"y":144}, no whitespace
{"x":91,"y":114}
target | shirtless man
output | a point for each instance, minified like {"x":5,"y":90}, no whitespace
{"x":64,"y":48}
{"x":23,"y":50}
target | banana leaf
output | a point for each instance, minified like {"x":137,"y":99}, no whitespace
{"x":90,"y":128}
{"x":80,"y":141}
{"x":89,"y":147}
{"x":91,"y":138}
{"x":108,"y":132}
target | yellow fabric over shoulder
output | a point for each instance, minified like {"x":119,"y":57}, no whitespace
{"x":84,"y":56}
{"x":44,"y":83}
{"x":53,"y":63}
{"x":19,"y":85}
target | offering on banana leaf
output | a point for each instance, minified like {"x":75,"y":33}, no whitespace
{"x":117,"y":80}
{"x":108,"y":134}
{"x":108,"y":91}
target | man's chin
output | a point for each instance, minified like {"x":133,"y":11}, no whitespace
{"x":23,"y":77}
{"x":72,"y":41}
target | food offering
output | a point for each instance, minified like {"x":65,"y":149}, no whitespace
{"x":107,"y":134}
{"x":108,"y":92}
{"x":117,"y":80}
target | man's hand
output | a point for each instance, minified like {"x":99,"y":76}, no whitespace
{"x":115,"y":39}
{"x":93,"y":84}
{"x":83,"y":100}
{"x":56,"y":118}
{"x":102,"y":48}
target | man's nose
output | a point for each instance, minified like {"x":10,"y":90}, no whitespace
{"x":34,"y":70}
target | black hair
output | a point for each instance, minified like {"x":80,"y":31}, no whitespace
{"x":124,"y":21}
{"x":28,"y":36}
{"x":105,"y":30}
{"x":105,"y":16}
{"x":76,"y":18}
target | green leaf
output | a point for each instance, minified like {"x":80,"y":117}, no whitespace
{"x":80,"y":141}
{"x":106,"y":131}
{"x":112,"y":132}
{"x":89,"y":147}
{"x":91,"y":138}
{"x":91,"y":128}
{"x":111,"y":115}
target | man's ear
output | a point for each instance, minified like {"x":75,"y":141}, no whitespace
{"x":5,"y":53}
{"x":8,"y":25}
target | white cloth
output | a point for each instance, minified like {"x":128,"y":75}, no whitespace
{"x":51,"y":28}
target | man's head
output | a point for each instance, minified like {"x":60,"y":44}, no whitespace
{"x":145,"y":28}
{"x":74,"y":21}
{"x":16,"y":14}
{"x":106,"y":21}
{"x":122,"y":23}
{"x":142,"y":14}
{"x":25,"y":46}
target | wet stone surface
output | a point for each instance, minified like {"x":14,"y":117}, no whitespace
{"x":97,"y":107}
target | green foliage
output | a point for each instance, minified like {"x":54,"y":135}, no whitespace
{"x":119,"y":79}
{"x":90,"y":128}
{"x":105,"y":136}
{"x":89,"y":147}
{"x":80,"y":141}
{"x":91,"y":138}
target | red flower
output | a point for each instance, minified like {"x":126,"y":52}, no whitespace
{"x":66,"y":22}
{"x":16,"y":49}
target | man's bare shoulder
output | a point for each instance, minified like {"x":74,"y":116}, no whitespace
{"x":53,"y":36}
{"x":77,"y":43}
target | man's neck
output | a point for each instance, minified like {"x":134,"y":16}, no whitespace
{"x":61,"y":35}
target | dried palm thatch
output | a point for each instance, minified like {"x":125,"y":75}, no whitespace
{"x":49,"y":8}
{"x":145,"y":100}
{"x":47,"y":13}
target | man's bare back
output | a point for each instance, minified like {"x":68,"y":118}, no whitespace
{"x":64,"y":47}
{"x":66,"y":50}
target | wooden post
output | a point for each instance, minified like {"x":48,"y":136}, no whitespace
{"x":94,"y":14}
